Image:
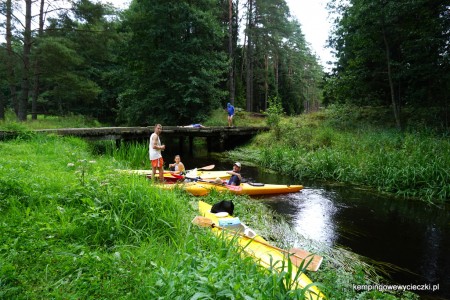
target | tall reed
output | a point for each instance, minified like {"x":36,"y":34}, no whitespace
{"x":409,"y":164}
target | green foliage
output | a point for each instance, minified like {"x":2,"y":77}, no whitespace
{"x":134,"y":155}
{"x":218,"y":117}
{"x":108,"y":235}
{"x":274,"y":114}
{"x":381,"y":61}
{"x":412,"y":164}
{"x":115,"y":236}
{"x":47,"y":122}
{"x":176,"y":70}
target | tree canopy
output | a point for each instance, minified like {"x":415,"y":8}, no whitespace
{"x":174,"y":62}
{"x":391,"y":53}
{"x":157,"y":61}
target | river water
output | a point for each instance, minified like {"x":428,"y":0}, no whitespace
{"x":411,"y":235}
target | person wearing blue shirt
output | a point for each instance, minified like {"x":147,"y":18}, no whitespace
{"x":230,"y":110}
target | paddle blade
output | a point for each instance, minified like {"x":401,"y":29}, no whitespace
{"x":202,"y":221}
{"x":210,"y":167}
{"x":311,"y":261}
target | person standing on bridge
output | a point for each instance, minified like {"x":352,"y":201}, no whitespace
{"x":154,"y":151}
{"x":230,"y":111}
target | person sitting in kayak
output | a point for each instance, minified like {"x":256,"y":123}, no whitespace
{"x":177,"y":166}
{"x":236,"y":177}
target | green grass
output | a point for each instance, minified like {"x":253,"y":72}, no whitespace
{"x":411,"y":164}
{"x":72,"y":227}
{"x":241,"y":118}
{"x":47,"y":122}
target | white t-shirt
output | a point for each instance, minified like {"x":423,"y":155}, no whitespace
{"x":154,"y":153}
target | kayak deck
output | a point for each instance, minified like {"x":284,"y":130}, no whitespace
{"x":264,"y":254}
{"x":204,"y":187}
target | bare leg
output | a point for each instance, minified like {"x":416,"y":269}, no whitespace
{"x":161,"y":174}
{"x":153,"y":173}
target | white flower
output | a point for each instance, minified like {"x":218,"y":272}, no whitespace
{"x":70,"y":165}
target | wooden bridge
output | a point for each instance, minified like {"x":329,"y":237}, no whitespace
{"x":218,"y":137}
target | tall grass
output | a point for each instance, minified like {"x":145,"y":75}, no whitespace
{"x":74,"y":228}
{"x":408,"y":164}
{"x":134,"y":154}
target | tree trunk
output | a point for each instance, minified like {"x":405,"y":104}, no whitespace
{"x":230,"y":52}
{"x":2,"y":107}
{"x":36,"y":66}
{"x":249,"y":78}
{"x":10,"y":62}
{"x":266,"y":80}
{"x":23,"y":102}
{"x":395,"y":104}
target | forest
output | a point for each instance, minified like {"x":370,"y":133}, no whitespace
{"x":174,"y":62}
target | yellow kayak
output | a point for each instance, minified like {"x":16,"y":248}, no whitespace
{"x":208,"y":174}
{"x":170,"y":176}
{"x":263,"y":253}
{"x":203,"y":187}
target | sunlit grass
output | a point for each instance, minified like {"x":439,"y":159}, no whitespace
{"x":74,"y":228}
{"x":47,"y":122}
{"x":219,"y":118}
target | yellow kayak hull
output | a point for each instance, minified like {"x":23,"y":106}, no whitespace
{"x":265,"y":255}
{"x":204,"y":188}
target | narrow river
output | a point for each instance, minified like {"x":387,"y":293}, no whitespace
{"x":411,"y":235}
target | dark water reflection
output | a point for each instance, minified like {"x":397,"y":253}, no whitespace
{"x":409,"y":234}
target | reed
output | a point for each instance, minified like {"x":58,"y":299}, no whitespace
{"x":408,"y":164}
{"x":132,"y":154}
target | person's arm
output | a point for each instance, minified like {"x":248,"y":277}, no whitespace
{"x":155,"y":143}
{"x":234,"y":173}
{"x":181,"y":167}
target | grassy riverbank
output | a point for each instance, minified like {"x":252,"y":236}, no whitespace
{"x":335,"y":145}
{"x":72,"y":227}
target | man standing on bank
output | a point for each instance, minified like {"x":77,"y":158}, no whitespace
{"x":154,"y":151}
{"x":230,"y":111}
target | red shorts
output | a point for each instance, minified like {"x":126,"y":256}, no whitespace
{"x":158,"y":162}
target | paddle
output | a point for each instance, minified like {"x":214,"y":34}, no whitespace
{"x":311,"y":261}
{"x":207,"y":168}
{"x":236,"y":188}
{"x":146,"y":172}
